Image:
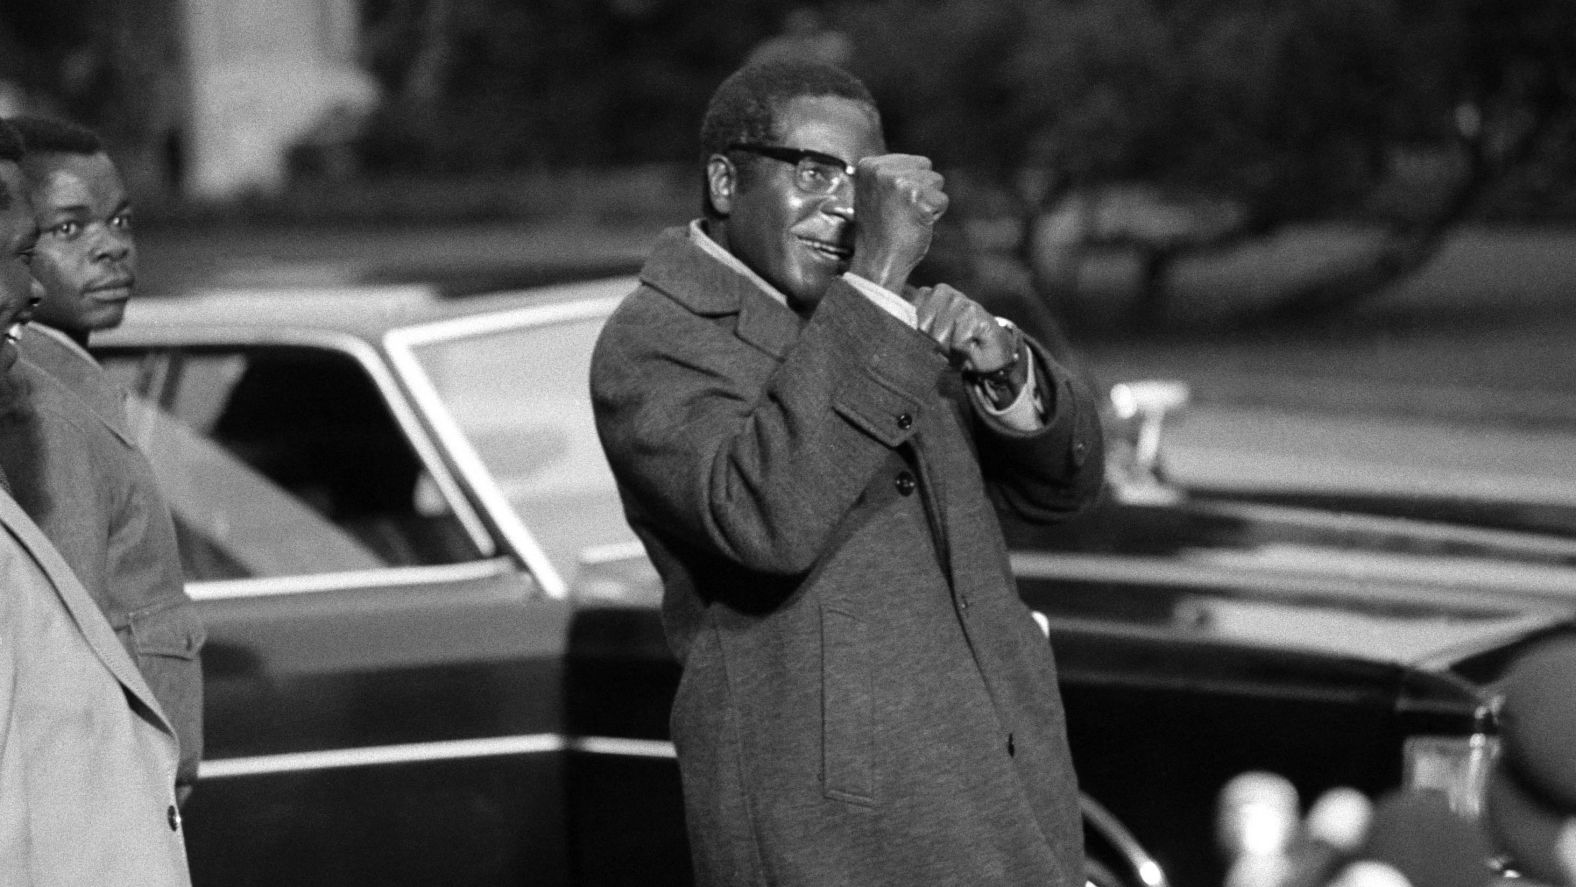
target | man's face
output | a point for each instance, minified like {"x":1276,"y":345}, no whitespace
{"x":86,"y":259}
{"x":17,"y":237}
{"x":801,"y":242}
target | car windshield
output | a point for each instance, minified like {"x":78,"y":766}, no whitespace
{"x":520,"y":397}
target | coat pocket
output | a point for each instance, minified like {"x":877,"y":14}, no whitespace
{"x":847,"y":709}
{"x":168,"y":629}
{"x":165,"y":640}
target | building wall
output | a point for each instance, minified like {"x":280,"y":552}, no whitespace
{"x":263,"y":75}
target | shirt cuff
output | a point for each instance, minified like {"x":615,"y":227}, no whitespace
{"x":1027,"y":411}
{"x":885,"y":299}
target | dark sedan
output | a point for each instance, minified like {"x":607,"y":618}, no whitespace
{"x":434,"y":650}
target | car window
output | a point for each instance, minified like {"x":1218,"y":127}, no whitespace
{"x":283,"y":461}
{"x":520,"y":395}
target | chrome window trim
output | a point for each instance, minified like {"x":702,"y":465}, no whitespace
{"x":375,"y":755}
{"x":401,"y":345}
{"x":1250,"y":571}
{"x":318,"y":583}
{"x":443,"y":750}
{"x":1529,"y":543}
{"x":612,"y":552}
{"x":371,"y":361}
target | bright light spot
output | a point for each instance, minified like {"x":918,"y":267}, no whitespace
{"x":1265,"y":830}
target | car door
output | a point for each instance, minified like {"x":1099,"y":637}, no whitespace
{"x":382,"y":677}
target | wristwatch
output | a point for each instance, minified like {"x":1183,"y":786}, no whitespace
{"x":998,"y":382}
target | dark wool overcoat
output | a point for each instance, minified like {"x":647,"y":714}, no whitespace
{"x":865,"y":700}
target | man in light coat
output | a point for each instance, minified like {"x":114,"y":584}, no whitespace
{"x":87,"y":758}
{"x":813,"y":454}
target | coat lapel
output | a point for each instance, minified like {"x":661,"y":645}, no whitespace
{"x":683,"y":271}
{"x":41,"y":375}
{"x":73,"y":365}
{"x":86,"y":614}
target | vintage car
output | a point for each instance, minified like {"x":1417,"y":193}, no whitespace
{"x":434,"y":653}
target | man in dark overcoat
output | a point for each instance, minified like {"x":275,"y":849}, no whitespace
{"x":813,"y":453}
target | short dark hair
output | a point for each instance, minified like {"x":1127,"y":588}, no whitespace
{"x":11,"y":151}
{"x":46,"y":135}
{"x":744,"y":107}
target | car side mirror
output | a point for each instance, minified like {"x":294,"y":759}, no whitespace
{"x":1140,"y":410}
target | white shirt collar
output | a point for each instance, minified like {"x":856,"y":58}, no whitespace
{"x":700,"y":238}
{"x":885,"y":299}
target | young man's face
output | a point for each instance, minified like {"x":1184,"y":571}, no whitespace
{"x":801,"y":242}
{"x":17,"y":237}
{"x":86,"y":258}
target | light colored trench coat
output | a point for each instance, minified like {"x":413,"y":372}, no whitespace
{"x":87,"y":759}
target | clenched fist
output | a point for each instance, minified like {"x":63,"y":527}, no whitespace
{"x":897,"y":200}
{"x":974,"y":341}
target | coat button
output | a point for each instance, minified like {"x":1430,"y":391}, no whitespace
{"x":905,"y":421}
{"x":174,"y":817}
{"x":1080,"y":452}
{"x":905,"y":483}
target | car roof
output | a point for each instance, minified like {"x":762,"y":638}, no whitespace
{"x":364,"y":312}
{"x":369,"y":312}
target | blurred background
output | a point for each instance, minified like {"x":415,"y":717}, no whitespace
{"x":1331,"y":191}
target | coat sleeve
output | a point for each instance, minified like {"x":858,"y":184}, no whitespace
{"x":1053,"y":472}
{"x":747,"y":456}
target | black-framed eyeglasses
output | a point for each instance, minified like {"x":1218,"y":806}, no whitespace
{"x":814,"y":172}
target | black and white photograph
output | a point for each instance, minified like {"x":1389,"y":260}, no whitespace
{"x":821,"y":443}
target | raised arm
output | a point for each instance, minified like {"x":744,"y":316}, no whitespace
{"x":745,"y":455}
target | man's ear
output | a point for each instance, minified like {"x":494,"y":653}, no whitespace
{"x":722,"y":182}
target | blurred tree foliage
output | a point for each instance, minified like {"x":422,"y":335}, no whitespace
{"x":492,"y":84}
{"x":1222,"y":120}
{"x":1165,"y":128}
{"x":113,"y":64}
{"x":1244,"y":115}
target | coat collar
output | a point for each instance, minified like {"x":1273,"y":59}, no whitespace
{"x":685,"y":273}
{"x":38,"y":376}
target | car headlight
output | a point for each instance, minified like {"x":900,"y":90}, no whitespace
{"x":1458,"y":766}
